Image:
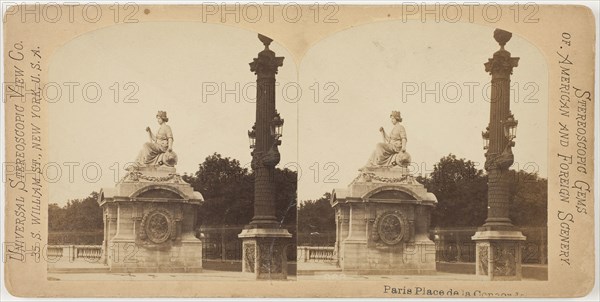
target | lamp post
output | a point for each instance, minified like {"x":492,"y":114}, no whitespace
{"x":486,"y":139}
{"x":263,"y":240}
{"x":498,"y":240}
{"x":252,"y":137}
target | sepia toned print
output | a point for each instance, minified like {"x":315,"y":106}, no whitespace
{"x":159,"y":220}
{"x":299,"y":150}
{"x":383,"y":224}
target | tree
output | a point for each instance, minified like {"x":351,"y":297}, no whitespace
{"x":77,"y":215}
{"x":227,"y":188}
{"x":461,"y":190}
{"x":529,"y":199}
{"x":286,"y":184}
{"x":316,"y":221}
{"x":228,"y":191}
{"x":56,"y":217}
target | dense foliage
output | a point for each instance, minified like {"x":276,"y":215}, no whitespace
{"x":76,"y":215}
{"x":461,"y":190}
{"x":316,"y":222}
{"x":228,"y":191}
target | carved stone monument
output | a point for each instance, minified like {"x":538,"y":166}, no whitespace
{"x":382,"y":218}
{"x":149,"y":219}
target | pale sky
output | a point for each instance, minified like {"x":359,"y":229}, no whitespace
{"x":360,"y":71}
{"x":169,"y":62}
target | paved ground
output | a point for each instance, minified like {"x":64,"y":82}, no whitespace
{"x":329,"y":271}
{"x":91,"y":270}
{"x":65,"y":263}
{"x":206,"y":275}
{"x":437,"y":277}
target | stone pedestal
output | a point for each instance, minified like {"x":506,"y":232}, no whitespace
{"x":382,"y":223}
{"x":498,"y":254}
{"x":264,"y":252}
{"x":149,"y":219}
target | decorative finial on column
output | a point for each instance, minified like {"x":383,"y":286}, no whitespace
{"x":266,"y":64}
{"x":502,"y":63}
{"x":265,"y":40}
{"x":502,"y":36}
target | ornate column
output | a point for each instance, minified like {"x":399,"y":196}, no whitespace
{"x":498,"y":240}
{"x":263,"y":240}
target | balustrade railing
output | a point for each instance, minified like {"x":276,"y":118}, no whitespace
{"x":316,"y":254}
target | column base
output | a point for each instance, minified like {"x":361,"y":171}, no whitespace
{"x":498,"y":254}
{"x":353,"y":255}
{"x":127,"y":256}
{"x":264,"y":252}
{"x":411,"y":258}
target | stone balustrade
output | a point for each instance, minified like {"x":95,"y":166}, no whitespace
{"x":316,"y":254}
{"x":73,"y":252}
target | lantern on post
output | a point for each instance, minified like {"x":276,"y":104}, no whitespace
{"x":486,"y":139}
{"x":510,"y":129}
{"x":252,"y":137}
{"x":277,"y":126}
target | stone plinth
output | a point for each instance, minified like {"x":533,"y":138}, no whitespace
{"x":149,"y":219}
{"x":264,"y":252}
{"x":382,"y":223}
{"x":498,"y":254}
